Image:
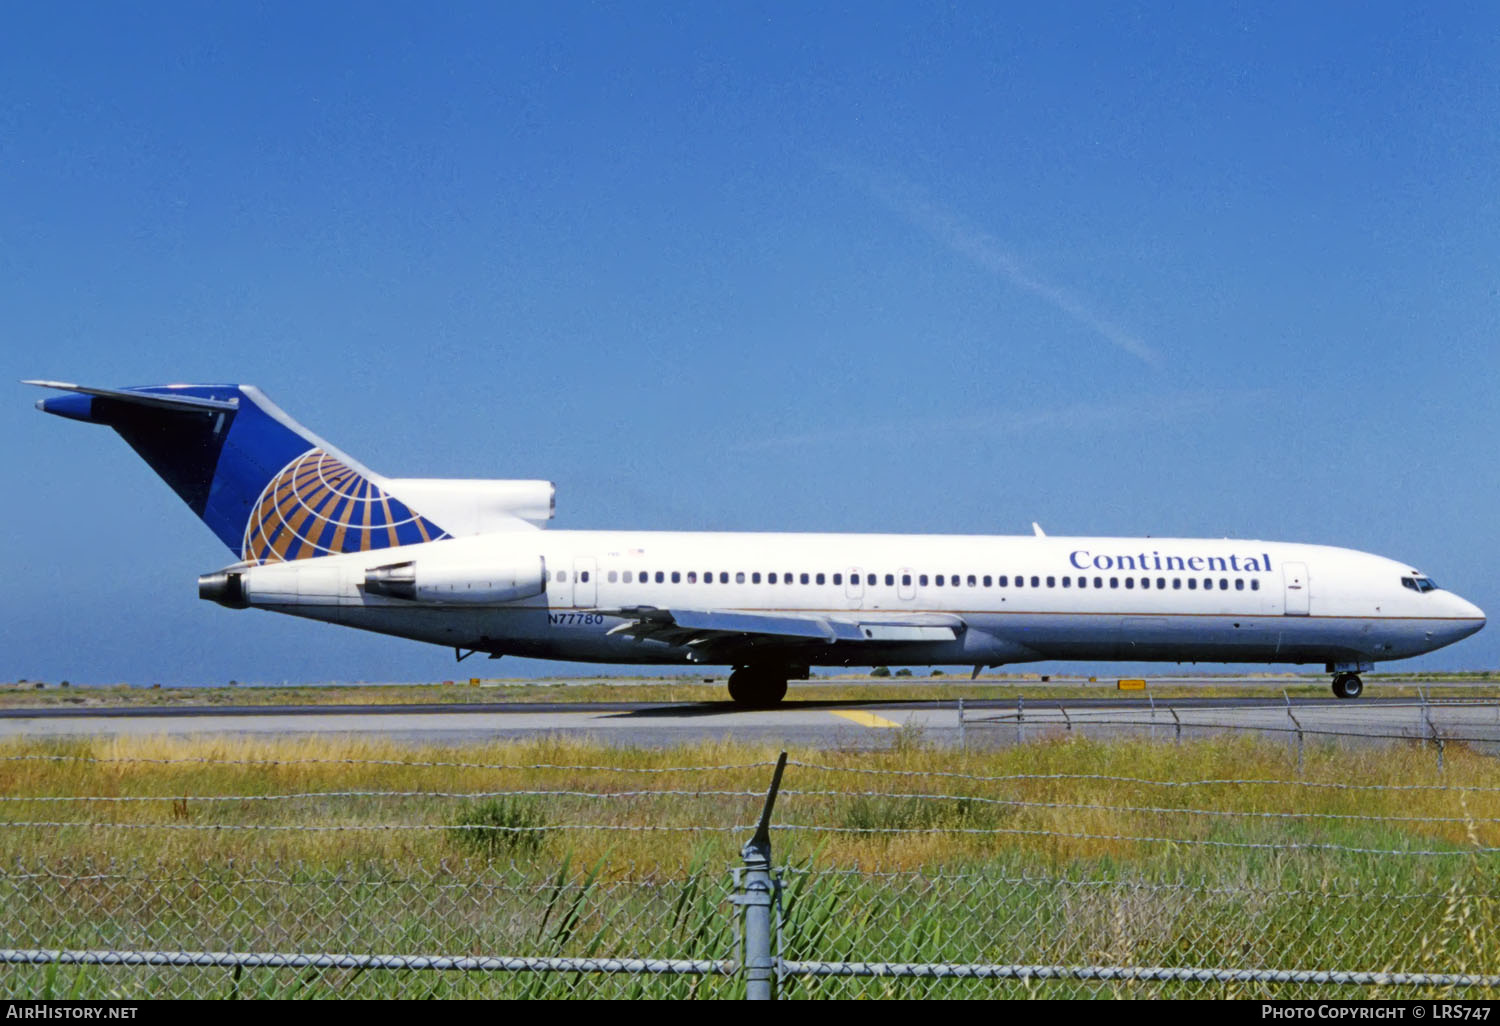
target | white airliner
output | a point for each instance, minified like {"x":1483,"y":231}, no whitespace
{"x":465,"y":565}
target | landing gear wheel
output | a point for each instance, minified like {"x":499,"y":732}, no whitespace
{"x":1347,"y":685}
{"x":756,"y":688}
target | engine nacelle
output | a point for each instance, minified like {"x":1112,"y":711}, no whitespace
{"x":456,"y":583}
{"x":465,"y":507}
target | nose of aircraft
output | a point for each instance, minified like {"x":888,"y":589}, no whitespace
{"x":1469,"y":612}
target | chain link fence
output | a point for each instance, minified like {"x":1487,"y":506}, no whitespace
{"x":1016,"y":884}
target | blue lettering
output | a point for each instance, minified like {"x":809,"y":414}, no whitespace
{"x":1076,"y":555}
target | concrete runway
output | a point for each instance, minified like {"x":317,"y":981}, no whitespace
{"x":805,"y":724}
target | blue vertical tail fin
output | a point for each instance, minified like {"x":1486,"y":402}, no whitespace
{"x":266,"y":486}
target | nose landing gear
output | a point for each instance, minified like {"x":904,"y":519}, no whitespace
{"x":1347,"y":685}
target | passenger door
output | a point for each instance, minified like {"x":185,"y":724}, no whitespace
{"x":854,"y":588}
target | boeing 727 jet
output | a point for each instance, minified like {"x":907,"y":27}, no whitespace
{"x":465,"y":564}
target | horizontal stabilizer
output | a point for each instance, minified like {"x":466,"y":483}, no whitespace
{"x":157,"y":400}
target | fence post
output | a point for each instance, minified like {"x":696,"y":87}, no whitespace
{"x":756,"y":894}
{"x":1437,"y":738}
{"x":1177,"y":739}
{"x":1296,"y":724}
{"x":962,"y":743}
{"x":1020,"y":717}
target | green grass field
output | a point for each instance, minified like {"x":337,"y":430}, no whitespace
{"x":1067,"y":852}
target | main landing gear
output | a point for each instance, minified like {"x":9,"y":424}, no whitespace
{"x":1347,"y":685}
{"x":757,"y":687}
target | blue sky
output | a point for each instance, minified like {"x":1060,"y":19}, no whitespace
{"x":1156,"y":269}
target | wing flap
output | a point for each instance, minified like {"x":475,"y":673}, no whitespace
{"x":706,"y":627}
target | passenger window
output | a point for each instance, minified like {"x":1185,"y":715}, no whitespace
{"x":1004,"y":581}
{"x":739,"y":577}
{"x":906,"y":580}
{"x":1130,"y":582}
{"x":676,"y":576}
{"x":987,"y":581}
{"x":922,"y":580}
{"x":1177,"y":584}
{"x":1161,"y":582}
{"x":1036,"y":582}
{"x":1052,"y":582}
{"x":770,"y":578}
{"x":1192,"y":584}
{"x":613,"y":576}
{"x":1067,"y":582}
{"x":819,"y":579}
{"x":971,"y":580}
{"x":1114,"y":582}
{"x":804,"y":578}
{"x":562,"y":576}
{"x":1239,"y":584}
{"x":890,"y":579}
{"x":660,"y":576}
{"x":723,"y":576}
{"x":692,"y":577}
{"x":755,"y":577}
{"x":585,"y":577}
{"x":1255,"y":584}
{"x":1223,"y":584}
{"x":708,"y":577}
{"x":870,"y":580}
{"x":1083,"y":582}
{"x":628,"y":576}
{"x":839,"y":578}
{"x":938,"y":580}
{"x":1020,"y":582}
{"x":1145,"y":582}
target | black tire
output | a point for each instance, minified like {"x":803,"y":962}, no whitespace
{"x":753,"y":688}
{"x":1347,"y":685}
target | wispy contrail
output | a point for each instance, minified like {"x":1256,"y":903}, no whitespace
{"x":985,"y":250}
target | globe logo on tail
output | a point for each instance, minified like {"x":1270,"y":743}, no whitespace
{"x":319,"y":506}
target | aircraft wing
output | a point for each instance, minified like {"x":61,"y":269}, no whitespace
{"x":720,"y":631}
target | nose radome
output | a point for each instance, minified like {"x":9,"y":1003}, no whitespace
{"x":1469,"y":611}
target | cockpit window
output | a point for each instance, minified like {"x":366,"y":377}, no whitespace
{"x":1419,"y":583}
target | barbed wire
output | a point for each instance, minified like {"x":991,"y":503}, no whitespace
{"x":745,"y":828}
{"x":413,"y":763}
{"x":1144,"y":781}
{"x":785,"y":793}
{"x":351,"y":827}
{"x":1065,"y":835}
{"x":1416,"y":734}
{"x":301,"y":795}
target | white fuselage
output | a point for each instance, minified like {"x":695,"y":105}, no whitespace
{"x":988,"y":600}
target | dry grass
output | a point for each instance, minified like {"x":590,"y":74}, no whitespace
{"x":1062,"y":814}
{"x":963,"y":891}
